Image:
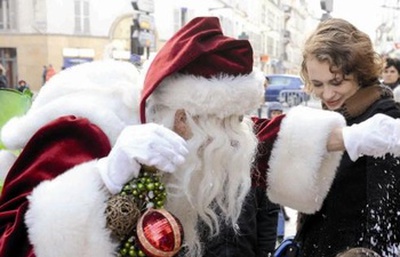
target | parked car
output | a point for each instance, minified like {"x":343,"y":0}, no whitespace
{"x":285,"y":88}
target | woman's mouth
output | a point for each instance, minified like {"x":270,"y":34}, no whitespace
{"x":332,"y":104}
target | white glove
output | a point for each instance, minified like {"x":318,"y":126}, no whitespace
{"x":149,"y":144}
{"x":376,"y":137}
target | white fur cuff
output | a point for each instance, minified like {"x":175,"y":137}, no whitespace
{"x":301,"y":170}
{"x":66,"y":215}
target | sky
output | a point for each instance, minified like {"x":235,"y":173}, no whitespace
{"x":364,"y":14}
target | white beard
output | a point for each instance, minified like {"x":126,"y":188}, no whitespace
{"x":216,"y":174}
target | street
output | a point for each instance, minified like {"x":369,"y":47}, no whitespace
{"x":290,"y":226}
{"x":314,"y":103}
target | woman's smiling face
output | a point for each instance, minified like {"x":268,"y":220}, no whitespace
{"x":331,"y":88}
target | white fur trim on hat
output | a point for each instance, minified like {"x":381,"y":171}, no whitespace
{"x":66,"y":216}
{"x":301,"y":170}
{"x":222,"y":96}
{"x":105,"y":92}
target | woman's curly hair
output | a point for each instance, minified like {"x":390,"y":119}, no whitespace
{"x":346,"y":49}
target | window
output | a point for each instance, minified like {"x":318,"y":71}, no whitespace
{"x":82,"y":22}
{"x":270,"y":45}
{"x":8,"y":60}
{"x":7,"y":20}
{"x":39,"y":15}
{"x":181,"y":17}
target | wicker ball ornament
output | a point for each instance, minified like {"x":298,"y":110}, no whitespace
{"x":122,"y":215}
{"x":159,"y":233}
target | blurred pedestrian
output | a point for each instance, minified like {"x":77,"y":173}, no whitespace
{"x":391,"y":73}
{"x":44,"y":74}
{"x":22,"y":85}
{"x":50,"y":72}
{"x":274,"y":109}
{"x":341,"y":68}
{"x":3,"y":79}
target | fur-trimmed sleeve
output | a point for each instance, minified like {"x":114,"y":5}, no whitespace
{"x":54,"y":149}
{"x":66,"y":215}
{"x":301,"y":170}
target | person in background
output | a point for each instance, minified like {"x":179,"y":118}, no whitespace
{"x":3,"y":79}
{"x":22,"y":86}
{"x":391,"y":73}
{"x":274,"y":109}
{"x":44,"y":73}
{"x":50,"y":72}
{"x":90,"y":130}
{"x":341,"y":68}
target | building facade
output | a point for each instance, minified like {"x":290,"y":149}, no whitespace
{"x":387,"y":38}
{"x":37,"y":33}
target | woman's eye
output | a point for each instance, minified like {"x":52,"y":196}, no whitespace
{"x":317,"y":84}
{"x":336,"y":83}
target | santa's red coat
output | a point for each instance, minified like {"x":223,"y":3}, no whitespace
{"x":54,"y":149}
{"x":69,"y":141}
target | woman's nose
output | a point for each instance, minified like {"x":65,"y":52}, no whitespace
{"x":328,"y":93}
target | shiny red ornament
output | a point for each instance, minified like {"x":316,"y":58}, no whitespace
{"x":159,"y":233}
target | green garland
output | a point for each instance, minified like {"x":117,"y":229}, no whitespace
{"x":147,"y":191}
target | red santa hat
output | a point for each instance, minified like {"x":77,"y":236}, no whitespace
{"x":203,"y":71}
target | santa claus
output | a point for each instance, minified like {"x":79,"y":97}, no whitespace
{"x":93,"y":126}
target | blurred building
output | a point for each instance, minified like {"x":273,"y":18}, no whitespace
{"x":295,"y":27}
{"x":275,"y":28}
{"x":34,"y":33}
{"x":387,"y":38}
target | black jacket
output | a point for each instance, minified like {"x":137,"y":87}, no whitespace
{"x":256,"y":226}
{"x":363,"y":205}
{"x":255,"y":234}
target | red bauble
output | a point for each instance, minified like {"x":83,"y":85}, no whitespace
{"x":159,"y":233}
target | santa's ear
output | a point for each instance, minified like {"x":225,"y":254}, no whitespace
{"x":181,"y":126}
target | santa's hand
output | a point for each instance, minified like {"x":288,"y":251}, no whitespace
{"x":149,"y":144}
{"x":376,"y":137}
